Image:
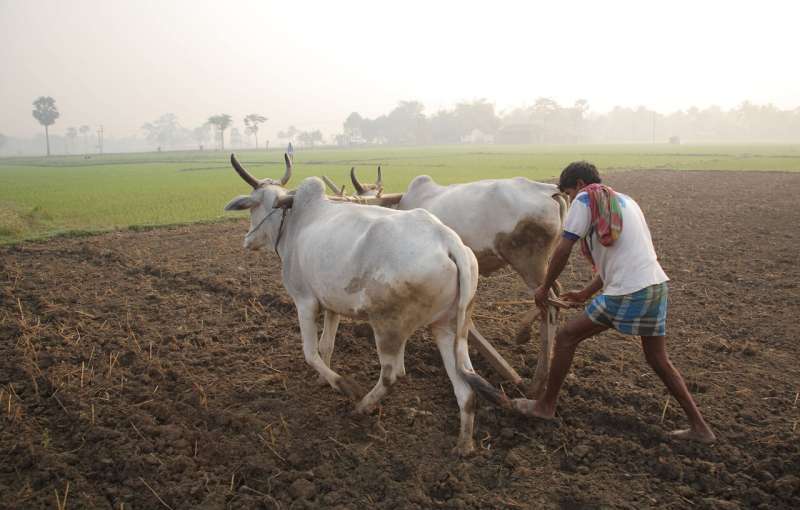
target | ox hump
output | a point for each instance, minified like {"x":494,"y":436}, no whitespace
{"x":421,"y":181}
{"x":310,"y":190}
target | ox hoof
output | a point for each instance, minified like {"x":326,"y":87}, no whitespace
{"x":366,"y":408}
{"x":464,"y":448}
{"x":321,"y":381}
{"x":349,"y":388}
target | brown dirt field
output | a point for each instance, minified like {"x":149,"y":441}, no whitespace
{"x":164,"y":369}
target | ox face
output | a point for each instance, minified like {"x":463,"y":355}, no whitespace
{"x":263,"y":204}
{"x":260,"y":203}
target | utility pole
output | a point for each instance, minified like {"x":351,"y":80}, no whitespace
{"x":100,"y":139}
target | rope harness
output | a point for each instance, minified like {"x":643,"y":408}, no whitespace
{"x":280,"y":228}
{"x":280,"y":231}
{"x":260,"y":223}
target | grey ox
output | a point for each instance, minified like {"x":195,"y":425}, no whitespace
{"x":515,"y":222}
{"x":399,"y":270}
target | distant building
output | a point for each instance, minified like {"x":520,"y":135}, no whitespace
{"x":518,"y":133}
{"x":477,"y":137}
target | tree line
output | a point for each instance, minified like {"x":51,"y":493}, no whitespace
{"x":164,"y":132}
{"x":168,"y":133}
{"x":545,"y":121}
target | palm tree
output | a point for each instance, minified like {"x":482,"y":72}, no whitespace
{"x":46,"y":113}
{"x":221,"y":122}
{"x":251,"y":123}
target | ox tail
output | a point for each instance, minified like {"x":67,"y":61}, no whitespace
{"x":467,"y":268}
{"x":563,"y":204}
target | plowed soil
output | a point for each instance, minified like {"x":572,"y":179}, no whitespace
{"x":164,"y":369}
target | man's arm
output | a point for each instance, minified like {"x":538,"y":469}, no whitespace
{"x":592,"y":287}
{"x":557,"y":262}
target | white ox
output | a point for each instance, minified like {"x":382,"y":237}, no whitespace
{"x":399,"y":270}
{"x":515,"y":222}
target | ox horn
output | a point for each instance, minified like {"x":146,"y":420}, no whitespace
{"x":379,"y":182}
{"x":288,"y":174}
{"x":244,"y":174}
{"x":357,"y":185}
{"x":332,"y":186}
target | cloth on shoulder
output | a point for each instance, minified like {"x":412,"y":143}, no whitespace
{"x":606,"y":217}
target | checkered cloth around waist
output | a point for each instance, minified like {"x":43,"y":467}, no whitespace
{"x":641,"y":313}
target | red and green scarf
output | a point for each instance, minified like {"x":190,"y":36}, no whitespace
{"x":606,"y":217}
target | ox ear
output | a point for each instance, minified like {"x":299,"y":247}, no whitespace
{"x":241,"y":203}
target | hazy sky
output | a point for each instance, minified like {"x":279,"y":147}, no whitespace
{"x":123,"y":63}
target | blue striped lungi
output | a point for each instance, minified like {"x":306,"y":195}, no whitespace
{"x":642,"y":313}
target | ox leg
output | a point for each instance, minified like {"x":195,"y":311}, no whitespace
{"x":401,"y":368}
{"x":307,"y":316}
{"x":327,"y":339}
{"x":390,"y":346}
{"x":467,"y":401}
{"x":523,"y":334}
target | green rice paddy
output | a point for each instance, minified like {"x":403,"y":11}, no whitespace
{"x":42,"y":197}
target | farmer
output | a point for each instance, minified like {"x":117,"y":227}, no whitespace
{"x":614,"y":236}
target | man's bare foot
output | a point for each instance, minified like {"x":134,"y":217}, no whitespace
{"x":701,"y":436}
{"x":533,"y":408}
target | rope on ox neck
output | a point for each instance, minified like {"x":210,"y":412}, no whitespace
{"x":252,"y":230}
{"x":280,"y":230}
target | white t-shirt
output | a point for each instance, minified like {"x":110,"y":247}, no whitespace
{"x":628,"y":265}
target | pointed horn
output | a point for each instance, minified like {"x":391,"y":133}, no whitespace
{"x":379,"y":182}
{"x":244,"y":174}
{"x":357,"y":185}
{"x":331,"y":185}
{"x":288,"y":174}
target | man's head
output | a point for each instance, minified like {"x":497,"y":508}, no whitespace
{"x":577,"y":175}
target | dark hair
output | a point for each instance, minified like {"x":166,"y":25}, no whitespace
{"x":578,"y":170}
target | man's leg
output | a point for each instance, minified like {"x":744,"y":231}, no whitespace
{"x":567,"y":339}
{"x":655,"y":352}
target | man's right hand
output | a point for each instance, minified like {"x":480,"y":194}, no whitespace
{"x":540,"y":296}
